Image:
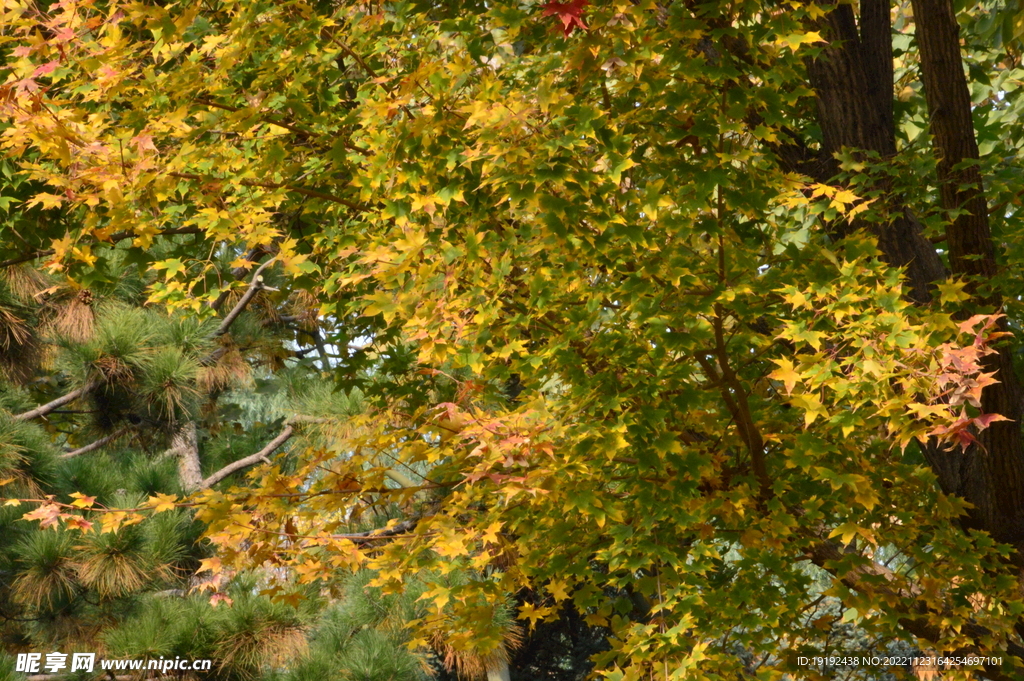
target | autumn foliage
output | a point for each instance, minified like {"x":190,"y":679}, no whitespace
{"x":647,"y":319}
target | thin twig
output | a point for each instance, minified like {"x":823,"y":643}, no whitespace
{"x":383,"y":533}
{"x":272,"y":121}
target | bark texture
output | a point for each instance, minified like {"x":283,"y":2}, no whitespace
{"x":847,"y":77}
{"x":853,"y":80}
{"x":186,"y":447}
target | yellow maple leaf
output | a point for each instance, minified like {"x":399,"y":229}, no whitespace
{"x":440,"y":595}
{"x":490,"y":535}
{"x":163,"y":502}
{"x":795,"y":40}
{"x":528,"y":612}
{"x":843,"y":197}
{"x":847,"y":531}
{"x":811,"y":405}
{"x":84,"y":254}
{"x":82,"y":501}
{"x":45,"y":200}
{"x":60,"y":247}
{"x":557,"y":589}
{"x":785,"y":373}
{"x":210,"y":564}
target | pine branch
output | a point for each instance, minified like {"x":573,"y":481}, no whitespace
{"x":255,"y":286}
{"x":57,"y":403}
{"x":261,"y":455}
{"x":239,"y":273}
{"x":96,"y":445}
{"x":250,"y":460}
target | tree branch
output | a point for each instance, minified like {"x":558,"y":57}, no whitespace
{"x":57,"y":403}
{"x":261,"y":455}
{"x":318,"y":344}
{"x":250,"y":460}
{"x":254,"y":287}
{"x":741,"y":406}
{"x":276,"y":121}
{"x":95,"y":445}
{"x":239,"y":273}
{"x":382,"y":533}
{"x":401,"y":478}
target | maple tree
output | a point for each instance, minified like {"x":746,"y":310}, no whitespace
{"x":663,"y":312}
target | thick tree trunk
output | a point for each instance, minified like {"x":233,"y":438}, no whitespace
{"x":852,"y":78}
{"x":854,"y":111}
{"x":990,"y":476}
{"x":951,"y":125}
{"x":876,"y":38}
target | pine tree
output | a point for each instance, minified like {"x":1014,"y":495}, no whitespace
{"x":96,"y":391}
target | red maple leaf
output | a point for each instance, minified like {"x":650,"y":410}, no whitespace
{"x":48,"y":67}
{"x":569,"y":13}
